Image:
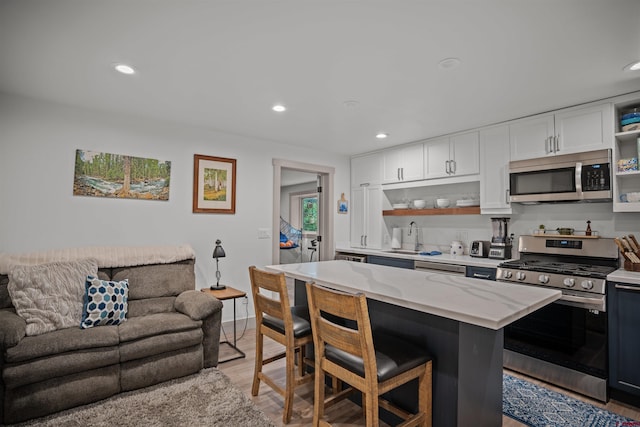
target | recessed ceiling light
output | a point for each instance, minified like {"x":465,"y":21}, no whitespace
{"x":279,"y":108}
{"x":449,"y":63}
{"x":634,"y":66}
{"x":382,"y":135}
{"x":124,"y":69}
{"x":351,"y":104}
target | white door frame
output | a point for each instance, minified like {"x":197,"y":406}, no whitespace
{"x":326,"y":248}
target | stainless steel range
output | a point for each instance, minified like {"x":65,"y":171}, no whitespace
{"x":564,"y":343}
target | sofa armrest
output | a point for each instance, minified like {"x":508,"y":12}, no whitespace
{"x":197,"y":305}
{"x":202,"y":306}
{"x":12,"y":329}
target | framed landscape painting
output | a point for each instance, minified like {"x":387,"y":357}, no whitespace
{"x":214,"y":184}
{"x":99,"y":174}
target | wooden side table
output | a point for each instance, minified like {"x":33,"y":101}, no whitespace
{"x":226,"y":294}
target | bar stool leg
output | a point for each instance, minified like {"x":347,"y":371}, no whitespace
{"x":258,"y":365}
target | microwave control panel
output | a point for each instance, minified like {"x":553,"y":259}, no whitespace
{"x":596,"y":177}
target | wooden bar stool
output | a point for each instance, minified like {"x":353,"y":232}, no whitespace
{"x":348,"y":354}
{"x":287,"y":325}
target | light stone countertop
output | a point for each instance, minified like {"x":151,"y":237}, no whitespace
{"x":478,"y":302}
{"x":624,"y":276}
{"x":445,"y":258}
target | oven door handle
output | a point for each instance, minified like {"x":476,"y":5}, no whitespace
{"x":628,"y":288}
{"x":586,"y":302}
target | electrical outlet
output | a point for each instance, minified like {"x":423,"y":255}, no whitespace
{"x":264,"y":233}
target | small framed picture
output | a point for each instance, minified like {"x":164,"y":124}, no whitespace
{"x":343,"y":205}
{"x":214,"y":184}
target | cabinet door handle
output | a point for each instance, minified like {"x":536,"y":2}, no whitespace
{"x":398,"y":173}
{"x":547,"y":145}
{"x":402,"y":173}
{"x":446,"y":167}
{"x":455,"y":166}
{"x":628,"y":288}
{"x":506,"y":196}
{"x":556,"y":143}
{"x":365,"y":240}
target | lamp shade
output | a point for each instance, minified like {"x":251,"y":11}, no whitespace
{"x":218,"y":252}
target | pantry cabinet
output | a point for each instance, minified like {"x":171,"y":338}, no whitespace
{"x":402,"y":164}
{"x":573,"y":130}
{"x":366,"y":217}
{"x":494,"y":170}
{"x":456,"y":155}
{"x":366,"y":170}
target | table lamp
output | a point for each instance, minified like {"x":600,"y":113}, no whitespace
{"x":218,"y":252}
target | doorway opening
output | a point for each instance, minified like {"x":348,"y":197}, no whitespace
{"x":301,"y":208}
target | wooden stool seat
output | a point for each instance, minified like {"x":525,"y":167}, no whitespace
{"x":393,"y":357}
{"x":300,"y":320}
{"x":287,"y":325}
{"x":345,"y":348}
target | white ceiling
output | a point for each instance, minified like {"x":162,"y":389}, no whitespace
{"x":223,"y":64}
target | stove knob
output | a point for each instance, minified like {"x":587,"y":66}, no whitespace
{"x":508,"y":274}
{"x":587,"y":284}
{"x":569,"y":282}
{"x":520,"y":275}
{"x":543,"y":278}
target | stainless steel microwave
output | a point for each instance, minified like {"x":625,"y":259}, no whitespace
{"x":567,"y":177}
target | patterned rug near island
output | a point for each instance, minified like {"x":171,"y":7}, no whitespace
{"x":540,"y":407}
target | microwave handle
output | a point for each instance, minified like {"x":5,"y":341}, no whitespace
{"x":578,"y":179}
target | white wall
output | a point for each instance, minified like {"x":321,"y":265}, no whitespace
{"x":38,"y":211}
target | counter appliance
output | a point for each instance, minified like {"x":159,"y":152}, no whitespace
{"x":564,"y":343}
{"x":479,"y":248}
{"x":500,"y":241}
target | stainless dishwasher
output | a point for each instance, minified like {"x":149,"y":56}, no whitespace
{"x":440,"y":267}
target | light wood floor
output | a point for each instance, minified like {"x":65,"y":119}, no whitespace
{"x":345,"y":413}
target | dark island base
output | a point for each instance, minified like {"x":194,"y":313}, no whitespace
{"x":467,"y":369}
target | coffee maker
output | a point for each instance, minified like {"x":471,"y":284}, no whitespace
{"x":500,"y":247}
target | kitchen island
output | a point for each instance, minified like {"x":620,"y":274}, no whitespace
{"x":458,"y":320}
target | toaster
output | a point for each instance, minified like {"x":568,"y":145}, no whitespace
{"x":479,"y":248}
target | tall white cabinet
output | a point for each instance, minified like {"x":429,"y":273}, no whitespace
{"x":366,"y":201}
{"x":366,"y":217}
{"x":494,"y":166}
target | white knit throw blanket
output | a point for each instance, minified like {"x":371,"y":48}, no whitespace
{"x":107,"y":256}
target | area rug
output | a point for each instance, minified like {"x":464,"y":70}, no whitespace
{"x":540,"y":407}
{"x":204,"y":399}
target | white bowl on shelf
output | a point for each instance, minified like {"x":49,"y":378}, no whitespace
{"x":443,"y":203}
{"x":419,"y":204}
{"x":400,"y":206}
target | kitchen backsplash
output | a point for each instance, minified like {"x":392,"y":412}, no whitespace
{"x":437,"y":231}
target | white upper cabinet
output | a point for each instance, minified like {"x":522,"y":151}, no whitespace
{"x":572,"y":130}
{"x":366,"y":170}
{"x":584,"y":129}
{"x":494,"y":170}
{"x":531,"y":137}
{"x":456,"y":155}
{"x":402,"y":164}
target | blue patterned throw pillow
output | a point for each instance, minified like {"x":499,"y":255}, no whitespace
{"x":105,"y":302}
